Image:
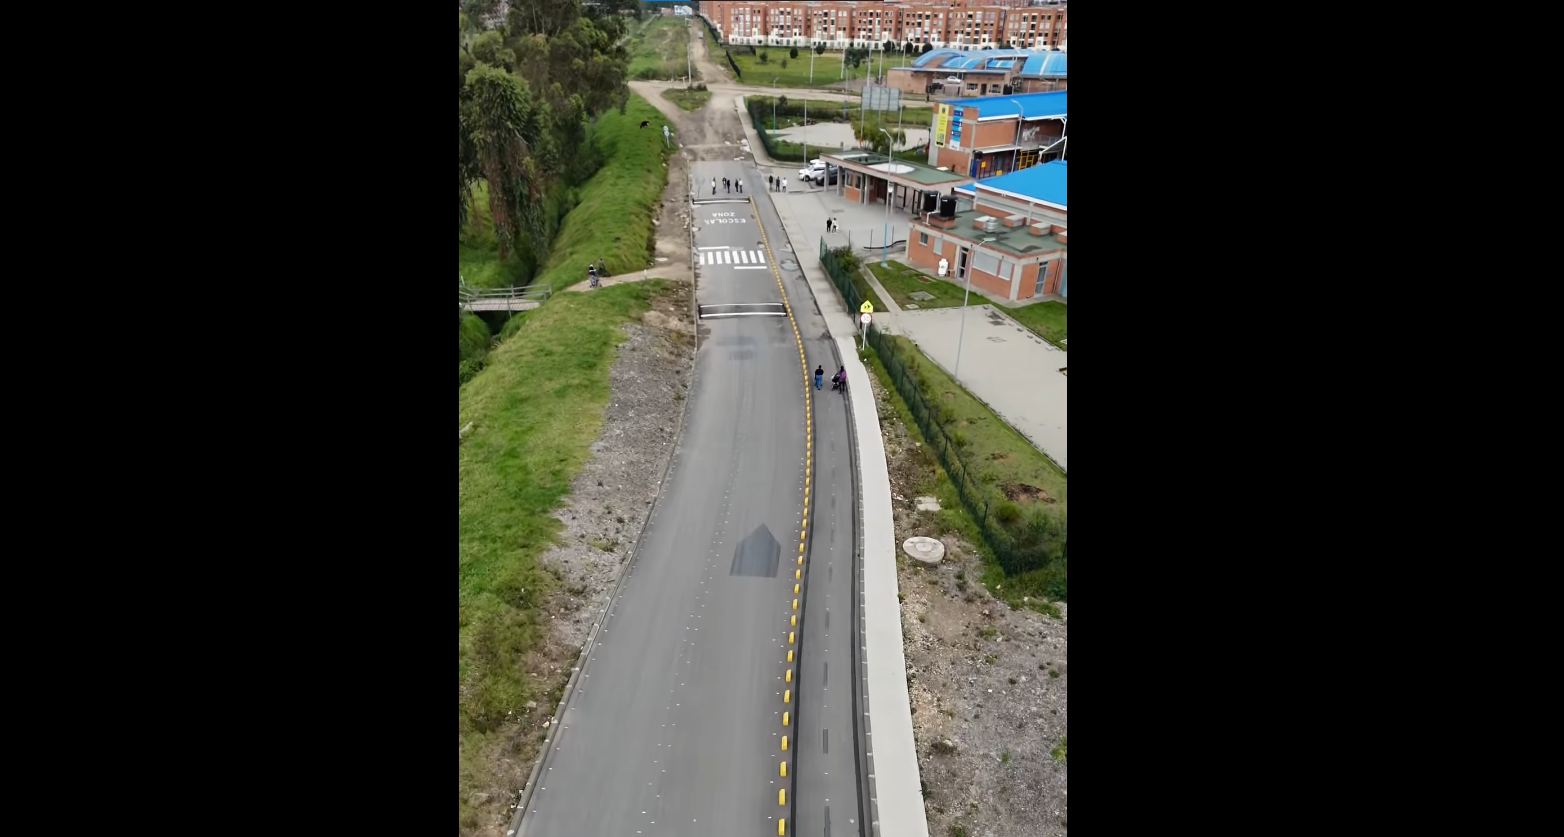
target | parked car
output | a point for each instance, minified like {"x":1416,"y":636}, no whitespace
{"x":820,"y":174}
{"x":815,"y":167}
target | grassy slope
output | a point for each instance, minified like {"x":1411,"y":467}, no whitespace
{"x":536,"y":409}
{"x":987,"y":435}
{"x":613,"y":221}
{"x":478,"y":256}
{"x":658,"y":47}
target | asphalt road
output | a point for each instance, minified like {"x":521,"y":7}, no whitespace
{"x":828,"y":779}
{"x":675,"y":726}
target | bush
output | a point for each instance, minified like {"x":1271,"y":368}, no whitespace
{"x":1007,"y":512}
{"x":763,"y":58}
{"x":467,"y":370}
{"x":792,"y":53}
{"x":784,"y":63}
{"x":474,"y":338}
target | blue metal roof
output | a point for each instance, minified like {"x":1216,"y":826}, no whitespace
{"x":1033,"y":105}
{"x":1042,"y":183}
{"x":1001,"y":65}
{"x":1052,"y":64}
{"x":933,"y":57}
{"x":975,"y":57}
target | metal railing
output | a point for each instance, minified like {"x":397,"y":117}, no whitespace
{"x":512,"y":296}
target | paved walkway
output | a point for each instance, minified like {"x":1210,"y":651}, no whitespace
{"x":895,"y":787}
{"x":1002,"y":363}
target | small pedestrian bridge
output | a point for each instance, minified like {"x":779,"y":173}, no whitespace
{"x":504,"y":299}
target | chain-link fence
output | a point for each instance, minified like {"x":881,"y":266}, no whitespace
{"x":760,"y":116}
{"x":1038,"y":542}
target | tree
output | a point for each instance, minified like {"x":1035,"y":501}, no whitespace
{"x":465,"y":63}
{"x":792,"y":53}
{"x":854,"y":57}
{"x":501,"y":121}
{"x":819,"y":49}
{"x":542,"y":17}
{"x":868,"y":131}
{"x":890,"y":46}
{"x":489,"y":48}
{"x":909,"y":47}
{"x":781,"y":101}
{"x":927,"y":48}
{"x":763,"y":57}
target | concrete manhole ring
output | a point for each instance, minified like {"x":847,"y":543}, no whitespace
{"x":787,"y":247}
{"x":789,"y":264}
{"x":924,"y":550}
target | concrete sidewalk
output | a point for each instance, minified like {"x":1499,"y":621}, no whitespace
{"x":1002,"y":363}
{"x":895,"y":790}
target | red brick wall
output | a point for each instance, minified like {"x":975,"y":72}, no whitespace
{"x":990,"y":134}
{"x":923,"y":256}
{"x":957,"y":160}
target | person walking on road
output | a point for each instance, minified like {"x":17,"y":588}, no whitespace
{"x":784,"y":184}
{"x":819,"y":376}
{"x":739,"y":183}
{"x":770,"y":182}
{"x":714,"y":185}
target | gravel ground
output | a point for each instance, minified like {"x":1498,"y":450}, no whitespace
{"x":987,"y":683}
{"x":612,"y":496}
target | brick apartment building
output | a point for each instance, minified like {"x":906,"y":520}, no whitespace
{"x":1013,"y":244}
{"x":968,"y":24}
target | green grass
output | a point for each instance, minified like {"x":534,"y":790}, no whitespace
{"x":830,"y":110}
{"x":902,"y":281}
{"x":657,"y":49}
{"x":828,"y":67}
{"x":1046,"y":319}
{"x":998,"y":456}
{"x":688,"y":99}
{"x":535,"y":410}
{"x":613,"y":220}
{"x":478,"y":256}
{"x":1061,"y":752}
{"x":860,"y":284}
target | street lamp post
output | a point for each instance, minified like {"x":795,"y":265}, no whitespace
{"x":774,"y":104}
{"x":1015,"y":160}
{"x":956,"y":373}
{"x":885,"y":254}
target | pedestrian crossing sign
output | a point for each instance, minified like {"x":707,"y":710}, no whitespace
{"x":866,"y":308}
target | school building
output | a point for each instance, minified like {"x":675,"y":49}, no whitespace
{"x":995,"y":135}
{"x":1012,"y":244}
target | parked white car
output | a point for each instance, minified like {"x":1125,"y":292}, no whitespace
{"x":815,"y":168}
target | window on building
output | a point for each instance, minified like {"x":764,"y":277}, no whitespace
{"x":923,"y":239}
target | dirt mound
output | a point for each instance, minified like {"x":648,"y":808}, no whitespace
{"x":1022,"y":493}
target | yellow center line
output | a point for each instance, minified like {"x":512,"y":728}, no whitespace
{"x":803,"y":525}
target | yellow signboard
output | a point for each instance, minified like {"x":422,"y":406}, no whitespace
{"x":942,"y":125}
{"x":866,"y":308}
